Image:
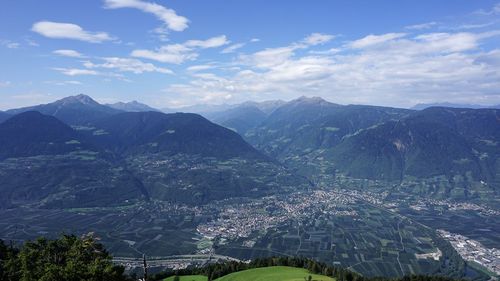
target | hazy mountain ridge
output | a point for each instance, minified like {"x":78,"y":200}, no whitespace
{"x":307,"y":124}
{"x":237,"y":117}
{"x":132,"y":106}
{"x":240,"y":119}
{"x":73,"y":110}
{"x":422,"y":106}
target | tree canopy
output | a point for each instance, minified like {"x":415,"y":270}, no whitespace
{"x":67,"y":258}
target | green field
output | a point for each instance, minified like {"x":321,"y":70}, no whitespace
{"x":274,"y":273}
{"x":189,"y":278}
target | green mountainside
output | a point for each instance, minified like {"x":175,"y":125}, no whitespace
{"x":128,"y":157}
{"x":46,"y":163}
{"x":433,"y":142}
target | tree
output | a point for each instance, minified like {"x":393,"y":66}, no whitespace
{"x":68,"y":258}
{"x":9,"y":263}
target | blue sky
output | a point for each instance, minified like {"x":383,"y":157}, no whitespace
{"x":182,"y":52}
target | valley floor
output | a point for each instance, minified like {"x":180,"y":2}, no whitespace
{"x":368,"y":232}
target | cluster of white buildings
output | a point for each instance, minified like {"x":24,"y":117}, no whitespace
{"x":241,"y":220}
{"x":472,"y":250}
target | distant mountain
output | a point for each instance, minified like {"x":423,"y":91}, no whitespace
{"x":73,"y":110}
{"x":240,"y":119}
{"x":133,"y":106}
{"x":4,"y":116}
{"x":307,"y":124}
{"x":302,"y":110}
{"x":44,"y":162}
{"x":422,"y":106}
{"x":216,"y":109}
{"x":432,"y":142}
{"x":265,"y":106}
{"x":199,"y":108}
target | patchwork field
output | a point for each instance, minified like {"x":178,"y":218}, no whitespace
{"x":372,"y":242}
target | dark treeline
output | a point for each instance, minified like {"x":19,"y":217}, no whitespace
{"x":214,"y":271}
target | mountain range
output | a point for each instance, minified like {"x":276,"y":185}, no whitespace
{"x":179,"y":157}
{"x":80,"y":152}
{"x":422,"y":106}
{"x":73,"y":110}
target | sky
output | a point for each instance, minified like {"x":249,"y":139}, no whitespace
{"x":175,"y":53}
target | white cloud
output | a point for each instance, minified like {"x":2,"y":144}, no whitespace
{"x":127,"y":65}
{"x":168,"y":16}
{"x":68,"y":53}
{"x":174,"y":53}
{"x":253,"y":40}
{"x":9,"y":44}
{"x":372,"y":40}
{"x":446,"y":42}
{"x":75,"y":71}
{"x":495,"y":10}
{"x":422,"y":26}
{"x":474,"y":26}
{"x":59,"y":30}
{"x":161,"y":32}
{"x":392,"y":70}
{"x":233,"y":48}
{"x":318,"y":38}
{"x":331,"y":51}
{"x":64,"y":83}
{"x":12,"y":45}
{"x":179,"y":53}
{"x":213,"y":42}
{"x":269,"y":57}
{"x":200,"y":67}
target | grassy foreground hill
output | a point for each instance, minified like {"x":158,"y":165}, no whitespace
{"x":274,"y":273}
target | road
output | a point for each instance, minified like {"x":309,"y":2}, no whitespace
{"x":171,"y":261}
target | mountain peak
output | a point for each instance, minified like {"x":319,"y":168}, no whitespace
{"x":132,"y":106}
{"x":79,"y":99}
{"x":304,"y":99}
